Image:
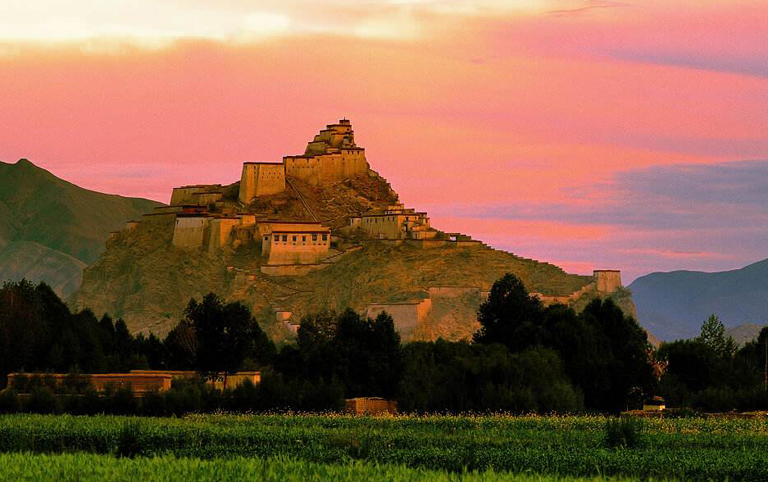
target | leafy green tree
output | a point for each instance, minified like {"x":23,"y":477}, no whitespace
{"x":713,"y":335}
{"x":510,"y":316}
{"x":622,"y":345}
{"x":363,"y":354}
{"x":226,"y":335}
{"x":181,"y":347}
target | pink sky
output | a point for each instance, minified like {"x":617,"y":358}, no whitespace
{"x":588,"y":134}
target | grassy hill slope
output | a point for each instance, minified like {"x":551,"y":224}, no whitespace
{"x":51,"y":228}
{"x":143,"y":278}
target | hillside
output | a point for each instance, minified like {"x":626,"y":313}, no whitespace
{"x":51,"y":229}
{"x":673,"y":305}
{"x":744,"y":333}
{"x":321,"y":230}
{"x":147,"y":281}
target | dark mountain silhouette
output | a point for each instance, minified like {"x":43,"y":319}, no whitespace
{"x":51,"y":229}
{"x":673,"y":305}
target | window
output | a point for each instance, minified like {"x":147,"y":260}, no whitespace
{"x":314,"y":237}
{"x":266,"y":238}
{"x":325,"y":237}
{"x":294,"y":239}
{"x":285,"y":238}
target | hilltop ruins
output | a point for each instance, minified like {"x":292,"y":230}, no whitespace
{"x":281,"y":213}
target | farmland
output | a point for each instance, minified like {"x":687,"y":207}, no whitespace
{"x":559,"y":446}
{"x":101,"y":468}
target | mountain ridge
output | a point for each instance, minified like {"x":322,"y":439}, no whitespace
{"x":674,"y":304}
{"x":51,"y":228}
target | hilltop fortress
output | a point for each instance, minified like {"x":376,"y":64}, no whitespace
{"x":211,"y":217}
{"x":270,"y":237}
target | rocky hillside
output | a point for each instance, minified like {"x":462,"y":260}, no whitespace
{"x":144,"y":279}
{"x":674,"y":305}
{"x":51,"y":229}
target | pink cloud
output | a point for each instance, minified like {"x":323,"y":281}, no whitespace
{"x":531,"y":109}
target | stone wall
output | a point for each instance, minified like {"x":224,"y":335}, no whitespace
{"x":221,"y":230}
{"x":189,"y":231}
{"x":326,"y":168}
{"x":186,"y":194}
{"x":406,"y":315}
{"x":261,"y":179}
{"x":296,"y":247}
{"x":607,"y":280}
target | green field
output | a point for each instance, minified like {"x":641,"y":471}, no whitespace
{"x":570,"y":446}
{"x":103,"y":468}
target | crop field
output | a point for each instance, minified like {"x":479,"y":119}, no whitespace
{"x":403,"y":446}
{"x":103,"y":468}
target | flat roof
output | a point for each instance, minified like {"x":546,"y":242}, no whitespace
{"x":388,"y":214}
{"x":266,"y":163}
{"x":279,"y":221}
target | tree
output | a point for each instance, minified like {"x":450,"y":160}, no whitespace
{"x":363,"y":354}
{"x":713,"y":335}
{"x":622,"y":354}
{"x":227,"y":334}
{"x":510,"y":316}
{"x":181,"y":346}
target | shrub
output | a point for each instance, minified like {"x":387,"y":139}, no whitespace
{"x":129,"y":443}
{"x":42,"y":400}
{"x":624,"y":432}
{"x":9,"y":401}
{"x":153,"y":404}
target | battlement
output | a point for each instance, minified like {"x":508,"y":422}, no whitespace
{"x":261,"y":179}
{"x":607,"y":280}
{"x":332,"y":155}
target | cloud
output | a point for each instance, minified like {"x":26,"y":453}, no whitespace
{"x":586,"y":8}
{"x":754,"y":65}
{"x":683,"y":216}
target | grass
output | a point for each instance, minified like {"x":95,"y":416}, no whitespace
{"x":572,"y":446}
{"x":89,"y":467}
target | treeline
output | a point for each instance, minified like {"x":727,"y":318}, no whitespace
{"x":711,"y":372}
{"x":525,"y":358}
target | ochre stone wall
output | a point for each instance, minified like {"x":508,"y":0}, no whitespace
{"x":327,"y":168}
{"x":189,"y":231}
{"x":221,"y":229}
{"x":296,"y":247}
{"x":394,"y":223}
{"x":607,"y":281}
{"x":206,"y":198}
{"x":405,"y":315}
{"x":186,"y":194}
{"x":261,"y":179}
{"x":369,"y":406}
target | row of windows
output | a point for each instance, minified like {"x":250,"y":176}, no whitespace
{"x":388,"y":218}
{"x":284,"y":237}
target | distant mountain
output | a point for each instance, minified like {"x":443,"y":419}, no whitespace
{"x":673,"y":305}
{"x":51,"y":229}
{"x":744,"y":333}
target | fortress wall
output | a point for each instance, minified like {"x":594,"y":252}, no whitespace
{"x":261,"y":179}
{"x":183,"y":195}
{"x":189,"y":232}
{"x":296,"y":248}
{"x":326,"y":168}
{"x":607,"y":281}
{"x":451,"y":291}
{"x":158,"y":218}
{"x":388,"y":227}
{"x":221,"y":229}
{"x":405,"y":315}
{"x":206,"y":198}
{"x":290,"y":269}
